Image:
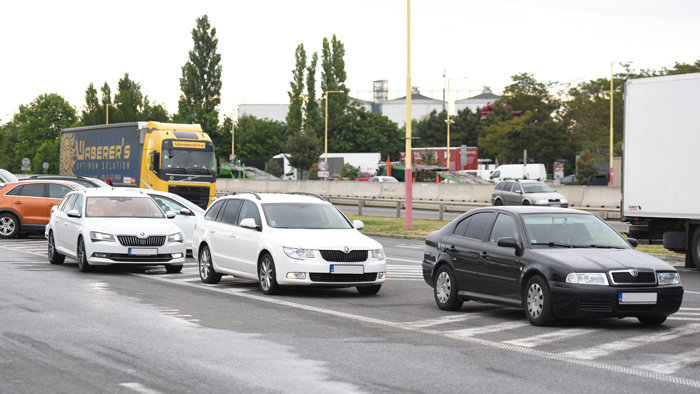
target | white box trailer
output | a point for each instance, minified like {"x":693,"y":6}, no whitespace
{"x":661,"y":160}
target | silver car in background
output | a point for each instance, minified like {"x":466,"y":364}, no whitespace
{"x":527,"y":192}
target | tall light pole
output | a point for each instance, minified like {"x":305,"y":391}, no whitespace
{"x":448,"y":121}
{"x":408,"y":172}
{"x":325,"y":157}
{"x":233,"y":134}
{"x":107,"y":105}
{"x":611,"y":118}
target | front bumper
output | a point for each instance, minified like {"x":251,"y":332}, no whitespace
{"x":575,"y":301}
{"x":104,"y":253}
{"x":318,"y":272}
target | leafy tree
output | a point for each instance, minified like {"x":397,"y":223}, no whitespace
{"x":273,"y":168}
{"x":295,"y":115}
{"x":429,"y":158}
{"x":313,"y":115}
{"x":8,"y":140}
{"x":201,"y":79}
{"x":259,"y":138}
{"x":333,"y":79}
{"x":432,"y":130}
{"x":130,"y":101}
{"x":304,"y":148}
{"x":528,"y":94}
{"x":38,"y":126}
{"x":364,"y":131}
{"x":93,"y":112}
{"x":349,"y":171}
{"x":155,"y":112}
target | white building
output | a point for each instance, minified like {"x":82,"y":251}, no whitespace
{"x":421,"y":106}
{"x":479,"y":101}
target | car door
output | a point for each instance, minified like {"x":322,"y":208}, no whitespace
{"x":221,"y":234}
{"x":501,"y":267}
{"x":246,"y":241}
{"x":74,"y":225}
{"x":516,"y":194}
{"x":185,"y":222}
{"x":29,"y":201}
{"x":506,"y":193}
{"x":60,"y":224}
{"x":464,"y":247}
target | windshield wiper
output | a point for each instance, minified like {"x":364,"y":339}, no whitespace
{"x":553,"y":244}
{"x":597,"y":246}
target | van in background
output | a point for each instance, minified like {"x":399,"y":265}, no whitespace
{"x":519,"y":171}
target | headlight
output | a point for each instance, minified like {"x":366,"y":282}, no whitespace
{"x":563,"y":200}
{"x":177,"y":237}
{"x":378,"y":254}
{"x":668,"y":278}
{"x":589,"y":278}
{"x":543,"y":201}
{"x":97,"y":236}
{"x":298,"y":253}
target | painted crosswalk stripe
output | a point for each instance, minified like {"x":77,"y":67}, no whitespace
{"x":631,"y":343}
{"x":542,"y":339}
{"x":674,"y":363}
{"x":470,"y":332}
{"x":440,"y":320}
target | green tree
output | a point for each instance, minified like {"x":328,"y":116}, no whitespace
{"x":93,"y":112}
{"x":431,"y":130}
{"x":333,"y":79}
{"x":259,"y":138}
{"x":155,"y":112}
{"x":38,"y":127}
{"x":349,"y":171}
{"x":364,"y":131}
{"x":528,"y":94}
{"x":273,"y":168}
{"x":295,"y":115}
{"x":304,"y":147}
{"x":130,"y":102}
{"x":201,"y":79}
{"x":8,"y":140}
{"x":313,"y":115}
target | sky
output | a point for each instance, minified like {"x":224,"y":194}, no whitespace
{"x":63,"y":46}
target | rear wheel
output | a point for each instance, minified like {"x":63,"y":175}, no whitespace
{"x":83,"y":264}
{"x":652,"y":320}
{"x":498,"y":202}
{"x":266,"y":275}
{"x":173,"y":269}
{"x":206,"y":269}
{"x":54,"y":256}
{"x":538,"y":303}
{"x":369,"y":290}
{"x":9,"y":225}
{"x":695,"y":247}
{"x":526,"y":202}
{"x":445,"y":290}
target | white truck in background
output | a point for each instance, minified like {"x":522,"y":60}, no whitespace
{"x":519,"y":171}
{"x":661,"y":161}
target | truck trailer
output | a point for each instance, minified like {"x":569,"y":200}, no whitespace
{"x":660,"y":162}
{"x":176,"y":158}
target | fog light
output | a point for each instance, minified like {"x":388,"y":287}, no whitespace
{"x":381,"y":275}
{"x":176,"y":255}
{"x":100,"y":255}
{"x":296,"y":275}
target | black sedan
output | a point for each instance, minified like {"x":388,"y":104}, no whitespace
{"x":552,"y":262}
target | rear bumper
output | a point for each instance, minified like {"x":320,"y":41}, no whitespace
{"x":574,"y":301}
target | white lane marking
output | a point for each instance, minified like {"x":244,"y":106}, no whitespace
{"x":472,"y":340}
{"x":674,"y":363}
{"x":559,"y":335}
{"x":139,"y":388}
{"x":440,"y":320}
{"x":691,"y":292}
{"x":406,"y":260}
{"x":633,"y":342}
{"x":470,"y":332}
{"x":690,"y":309}
{"x":697,"y":314}
{"x":684,"y":318}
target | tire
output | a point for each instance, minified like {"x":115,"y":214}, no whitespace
{"x":173,"y":269}
{"x":652,"y":320}
{"x":369,"y":290}
{"x":537,"y":301}
{"x":206,"y":268}
{"x":674,"y":240}
{"x":695,"y":247}
{"x":445,"y":290}
{"x":266,"y":275}
{"x":9,"y":225}
{"x":54,"y":256}
{"x":83,"y":264}
{"x":498,"y":202}
{"x":526,"y":202}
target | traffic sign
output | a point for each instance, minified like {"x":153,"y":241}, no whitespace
{"x":45,"y":165}
{"x":323,"y":174}
{"x":25,"y":161}
{"x":322,"y":166}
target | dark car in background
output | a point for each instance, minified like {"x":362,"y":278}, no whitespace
{"x":527,"y":192}
{"x":598,"y":180}
{"x":552,"y":262}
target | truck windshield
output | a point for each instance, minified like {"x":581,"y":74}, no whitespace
{"x":186,"y":161}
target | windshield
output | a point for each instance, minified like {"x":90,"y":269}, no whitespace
{"x":187,"y":161}
{"x":571,"y":230}
{"x":536,"y":188}
{"x":304,"y":215}
{"x":105,"y":207}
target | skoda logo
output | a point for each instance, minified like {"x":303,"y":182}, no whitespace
{"x":346,"y":249}
{"x":634,"y":273}
{"x":142,"y":234}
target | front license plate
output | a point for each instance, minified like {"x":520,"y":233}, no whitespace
{"x":142,"y":252}
{"x":347,"y":269}
{"x":636,"y":298}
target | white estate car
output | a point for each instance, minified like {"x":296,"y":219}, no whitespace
{"x":185,"y":210}
{"x":286,"y":239}
{"x":104,"y":226}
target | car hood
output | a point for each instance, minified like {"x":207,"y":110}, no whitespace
{"x":548,"y":195}
{"x":324,"y":239}
{"x":132,"y":226}
{"x":596,"y":260}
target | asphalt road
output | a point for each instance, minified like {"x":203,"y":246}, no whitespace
{"x":141,"y":330}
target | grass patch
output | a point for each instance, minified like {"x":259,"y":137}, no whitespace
{"x":657,"y":249}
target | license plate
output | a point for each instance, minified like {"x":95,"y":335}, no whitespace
{"x":636,"y":298}
{"x":347,"y":269}
{"x":142,"y":252}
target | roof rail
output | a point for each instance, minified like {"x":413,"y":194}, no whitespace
{"x":257,"y":196}
{"x":307,"y":194}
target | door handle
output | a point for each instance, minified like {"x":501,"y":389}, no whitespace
{"x":484,"y":254}
{"x":212,"y":231}
{"x":18,"y":202}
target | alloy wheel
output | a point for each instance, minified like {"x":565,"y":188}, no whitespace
{"x":204,"y":264}
{"x":535,"y":300}
{"x":7,"y":226}
{"x":265,"y":273}
{"x":443,"y":287}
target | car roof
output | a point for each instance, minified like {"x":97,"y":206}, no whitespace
{"x":113,"y":191}
{"x":277,"y":197}
{"x":524,"y":209}
{"x":25,"y":181}
{"x":521,"y":180}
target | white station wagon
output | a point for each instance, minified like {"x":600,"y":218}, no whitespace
{"x":286,"y":239}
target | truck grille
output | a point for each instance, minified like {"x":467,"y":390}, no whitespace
{"x":130,"y":240}
{"x":354,"y":256}
{"x":627,"y":277}
{"x":199,"y":195}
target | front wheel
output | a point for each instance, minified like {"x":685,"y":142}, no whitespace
{"x":206,"y":269}
{"x":9,"y":225}
{"x":54,"y":256}
{"x":266,"y":275}
{"x":369,"y":290}
{"x":83,"y":264}
{"x":651,"y":320}
{"x":445,"y":290}
{"x":538,"y":303}
{"x":695,"y":247}
{"x":526,"y":202}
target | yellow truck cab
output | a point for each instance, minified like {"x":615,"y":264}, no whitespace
{"x":176,"y":158}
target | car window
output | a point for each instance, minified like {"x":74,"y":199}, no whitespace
{"x":507,"y":186}
{"x":537,"y":188}
{"x":499,"y":186}
{"x":462,"y":227}
{"x":516,"y":188}
{"x":229,"y":214}
{"x":374,"y":179}
{"x":78,"y":205}
{"x":211,"y":213}
{"x":504,"y":227}
{"x":304,"y":215}
{"x":56,"y":190}
{"x":167,"y":204}
{"x":478,"y":225}
{"x":29,"y":190}
{"x":67,"y":203}
{"x":249,"y":210}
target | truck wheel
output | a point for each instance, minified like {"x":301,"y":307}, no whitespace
{"x":674,"y":240}
{"x":695,"y":247}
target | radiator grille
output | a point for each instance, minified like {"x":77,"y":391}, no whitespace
{"x":627,"y":277}
{"x":354,"y":256}
{"x":130,"y":240}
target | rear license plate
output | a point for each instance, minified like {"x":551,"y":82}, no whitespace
{"x":142,"y":252}
{"x":636,"y":298}
{"x":347,"y":269}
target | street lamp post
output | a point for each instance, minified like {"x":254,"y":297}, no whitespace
{"x":107,"y":105}
{"x":449,"y":121}
{"x":611,"y":118}
{"x":233,"y":134}
{"x":325,"y":158}
{"x":408,"y":172}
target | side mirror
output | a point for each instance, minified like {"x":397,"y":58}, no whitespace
{"x":186,"y":212}
{"x":509,"y":242}
{"x":358,"y":224}
{"x":249,"y":223}
{"x":73,"y":213}
{"x":633,"y":242}
{"x":170,"y":215}
{"x":155,"y":161}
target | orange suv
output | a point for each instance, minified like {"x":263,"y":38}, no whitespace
{"x":25,"y":206}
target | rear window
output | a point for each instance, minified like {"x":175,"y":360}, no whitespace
{"x":478,"y":225}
